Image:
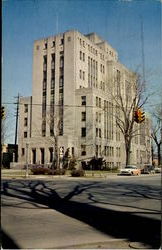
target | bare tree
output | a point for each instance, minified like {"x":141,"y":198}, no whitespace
{"x":127,"y":96}
{"x":157,"y":130}
{"x":5,"y":125}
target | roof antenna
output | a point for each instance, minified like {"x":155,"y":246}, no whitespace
{"x":56,"y":23}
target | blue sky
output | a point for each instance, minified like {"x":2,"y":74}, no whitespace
{"x":117,"y":21}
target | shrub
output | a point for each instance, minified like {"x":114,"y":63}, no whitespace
{"x":39,"y":170}
{"x":77,"y":173}
{"x":57,"y":171}
{"x":72,"y":163}
{"x":36,"y":170}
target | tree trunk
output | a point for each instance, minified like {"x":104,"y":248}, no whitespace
{"x":159,"y":153}
{"x":127,"y":151}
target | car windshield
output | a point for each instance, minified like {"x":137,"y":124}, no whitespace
{"x":130,"y":167}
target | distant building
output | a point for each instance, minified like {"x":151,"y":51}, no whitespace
{"x":9,"y":154}
{"x":72,"y":81}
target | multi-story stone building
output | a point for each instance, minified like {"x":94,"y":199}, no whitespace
{"x":72,"y":101}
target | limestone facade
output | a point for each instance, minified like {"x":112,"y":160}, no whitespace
{"x":73,"y":81}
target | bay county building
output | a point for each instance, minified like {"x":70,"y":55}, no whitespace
{"x":73,"y":82}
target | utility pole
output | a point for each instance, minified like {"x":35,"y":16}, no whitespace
{"x":17,"y":114}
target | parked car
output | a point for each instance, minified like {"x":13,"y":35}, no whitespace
{"x":130,"y":170}
{"x":148,"y":169}
{"x":157,"y":170}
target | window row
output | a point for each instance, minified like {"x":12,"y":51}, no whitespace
{"x":98,"y":102}
{"x":82,"y":74}
{"x":53,"y":44}
{"x":108,"y":151}
{"x":102,"y":68}
{"x":42,"y":154}
{"x":82,"y":56}
{"x":118,"y":152}
{"x":98,"y":132}
{"x":102,"y":86}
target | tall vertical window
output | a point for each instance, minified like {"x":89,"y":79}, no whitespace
{"x":83,"y":100}
{"x":83,"y":116}
{"x":25,"y":134}
{"x":25,"y":108}
{"x":83,"y":149}
{"x":25,"y":121}
{"x":42,"y":155}
{"x":43,"y":128}
{"x":34,"y":156}
{"x":51,"y":154}
{"x":83,"y":132}
{"x":52,"y":61}
{"x":118,"y":83}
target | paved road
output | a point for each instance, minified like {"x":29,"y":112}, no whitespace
{"x":81,"y":213}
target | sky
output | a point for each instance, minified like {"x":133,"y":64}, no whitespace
{"x":117,"y":21}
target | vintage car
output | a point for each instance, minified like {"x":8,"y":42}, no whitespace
{"x":148,"y":169}
{"x":130,"y":170}
{"x":157,"y":170}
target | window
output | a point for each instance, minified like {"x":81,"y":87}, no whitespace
{"x":53,"y":43}
{"x":96,"y":101}
{"x":96,"y":132}
{"x":42,"y":155}
{"x":61,"y":61}
{"x":25,"y":121}
{"x":34,"y":156}
{"x":69,"y":38}
{"x":96,"y":116}
{"x":23,"y":151}
{"x":80,"y":55}
{"x":83,"y":149}
{"x":99,"y":132}
{"x":83,"y":116}
{"x":99,"y":102}
{"x":83,"y":130}
{"x":37,"y":47}
{"x":44,"y":76}
{"x":83,"y":99}
{"x":25,"y":134}
{"x":83,"y":75}
{"x":62,"y":41}
{"x":43,"y":128}
{"x":72,"y":151}
{"x":51,"y":154}
{"x":45,"y":45}
{"x":80,"y":74}
{"x":25,"y":108}
{"x":83,"y":57}
{"x":99,"y":116}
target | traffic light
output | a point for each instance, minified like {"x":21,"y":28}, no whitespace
{"x":139,"y":116}
{"x":142,"y":117}
{"x":136,"y":116}
{"x":2,"y":112}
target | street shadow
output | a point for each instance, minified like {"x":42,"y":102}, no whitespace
{"x":117,"y":224}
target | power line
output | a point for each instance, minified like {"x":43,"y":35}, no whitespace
{"x":65,"y":105}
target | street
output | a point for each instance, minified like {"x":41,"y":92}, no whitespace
{"x":76,"y":213}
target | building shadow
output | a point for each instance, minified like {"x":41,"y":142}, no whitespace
{"x":7,"y":242}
